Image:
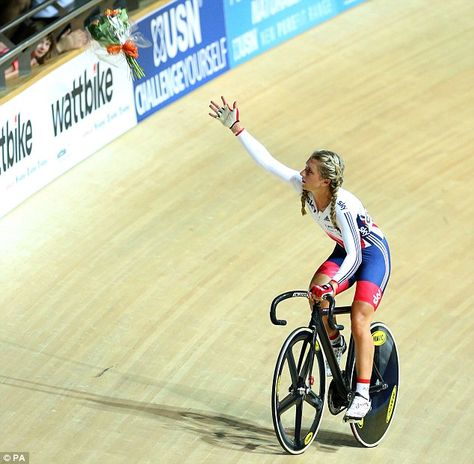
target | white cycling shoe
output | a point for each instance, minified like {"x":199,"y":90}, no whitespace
{"x":358,"y":409}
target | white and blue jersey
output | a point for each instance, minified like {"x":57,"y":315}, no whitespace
{"x":361,"y":254}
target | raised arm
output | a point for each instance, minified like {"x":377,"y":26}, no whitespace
{"x":229,"y":117}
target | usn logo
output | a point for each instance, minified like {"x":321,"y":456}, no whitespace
{"x":176,"y":30}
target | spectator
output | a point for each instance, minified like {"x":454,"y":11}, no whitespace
{"x":69,"y":38}
{"x":39,"y":55}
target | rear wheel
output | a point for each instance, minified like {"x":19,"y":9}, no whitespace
{"x":383,"y":388}
{"x":298,"y":391}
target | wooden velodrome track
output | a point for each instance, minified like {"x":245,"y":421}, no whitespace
{"x":135,"y":288}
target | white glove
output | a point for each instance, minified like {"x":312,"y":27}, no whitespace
{"x":225,"y":114}
{"x":228,"y":116}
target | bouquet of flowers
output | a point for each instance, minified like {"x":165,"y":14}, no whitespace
{"x":113,"y":32}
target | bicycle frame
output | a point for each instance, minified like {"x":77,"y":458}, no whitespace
{"x":341,"y":381}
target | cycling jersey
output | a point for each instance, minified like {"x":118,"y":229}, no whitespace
{"x":356,"y":230}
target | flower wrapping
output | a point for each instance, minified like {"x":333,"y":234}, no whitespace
{"x":113,"y":32}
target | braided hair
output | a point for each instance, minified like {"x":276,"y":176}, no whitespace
{"x":331,"y":166}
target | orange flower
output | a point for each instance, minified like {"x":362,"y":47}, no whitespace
{"x":109,"y":12}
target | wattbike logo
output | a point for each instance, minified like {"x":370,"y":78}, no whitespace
{"x":88,"y":94}
{"x":176,"y":30}
{"x":16,"y":142}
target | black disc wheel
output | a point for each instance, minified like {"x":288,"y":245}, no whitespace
{"x":298,"y":391}
{"x":383,"y":388}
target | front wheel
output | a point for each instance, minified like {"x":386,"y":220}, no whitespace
{"x":298,"y":391}
{"x":384,"y":386}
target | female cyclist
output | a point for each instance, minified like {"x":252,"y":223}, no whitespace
{"x":361,"y":254}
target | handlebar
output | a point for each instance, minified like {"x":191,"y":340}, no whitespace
{"x":331,"y":321}
{"x":303,"y":293}
{"x":279,"y":299}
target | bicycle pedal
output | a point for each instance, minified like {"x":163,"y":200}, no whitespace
{"x":355,"y":420}
{"x":352,"y":420}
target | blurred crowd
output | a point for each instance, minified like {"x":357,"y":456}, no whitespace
{"x":67,"y":37}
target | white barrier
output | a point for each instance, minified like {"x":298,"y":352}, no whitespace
{"x":58,"y":122}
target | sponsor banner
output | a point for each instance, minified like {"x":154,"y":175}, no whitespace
{"x":254,"y":26}
{"x":189,"y":48}
{"x":78,"y":108}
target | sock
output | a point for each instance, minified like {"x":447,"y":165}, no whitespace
{"x":336,"y":339}
{"x":363,"y":387}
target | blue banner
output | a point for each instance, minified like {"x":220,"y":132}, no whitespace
{"x":189,"y":48}
{"x":254,"y":26}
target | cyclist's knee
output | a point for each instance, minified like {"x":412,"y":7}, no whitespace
{"x":361,"y":317}
{"x":319,"y":279}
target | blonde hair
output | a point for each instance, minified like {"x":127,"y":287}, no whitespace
{"x":331,"y":167}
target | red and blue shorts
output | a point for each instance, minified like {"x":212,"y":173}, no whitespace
{"x":372,"y":275}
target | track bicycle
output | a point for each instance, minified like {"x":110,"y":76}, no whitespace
{"x":299,"y":380}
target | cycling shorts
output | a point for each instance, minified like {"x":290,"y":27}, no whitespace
{"x":372,"y":275}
